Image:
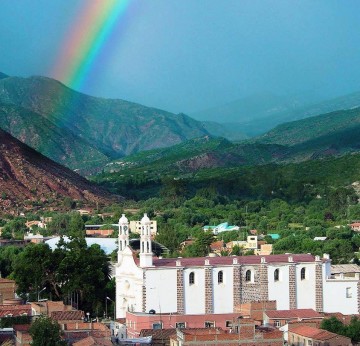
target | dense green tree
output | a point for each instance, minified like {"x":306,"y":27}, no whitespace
{"x":168,"y":237}
{"x":59,"y":224}
{"x":8,"y":255}
{"x":76,"y":225}
{"x":45,"y":332}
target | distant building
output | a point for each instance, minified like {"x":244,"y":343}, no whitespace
{"x":279,"y":318}
{"x":34,"y":238}
{"x":223,"y":227}
{"x":355,"y":226}
{"x":99,"y":232}
{"x":135,"y":227}
{"x":305,"y":335}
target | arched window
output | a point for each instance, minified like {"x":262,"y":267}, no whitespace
{"x":248,"y":275}
{"x":192,"y":278}
{"x":276,"y":275}
{"x":303,"y":273}
{"x":220,"y":277}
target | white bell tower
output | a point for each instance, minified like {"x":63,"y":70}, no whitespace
{"x":123,"y":235}
{"x":146,"y":255}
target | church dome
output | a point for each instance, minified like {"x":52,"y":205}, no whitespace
{"x":123,"y":219}
{"x":145,"y":219}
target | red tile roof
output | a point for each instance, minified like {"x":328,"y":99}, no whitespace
{"x":67,"y":315}
{"x":228,"y":260}
{"x":15,"y":310}
{"x":314,"y":333}
{"x":295,"y":313}
{"x":89,"y":341}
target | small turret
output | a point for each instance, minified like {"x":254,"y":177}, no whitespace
{"x":123,"y":235}
{"x":146,"y":255}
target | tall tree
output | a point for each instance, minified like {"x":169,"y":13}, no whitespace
{"x":46,"y":332}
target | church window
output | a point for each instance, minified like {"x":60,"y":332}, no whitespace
{"x":220,"y":277}
{"x":348,"y":292}
{"x":248,"y":275}
{"x":303,"y":274}
{"x":276,"y":275}
{"x":192,"y":278}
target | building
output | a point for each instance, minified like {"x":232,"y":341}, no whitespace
{"x":136,"y":321}
{"x":341,"y":271}
{"x":278,"y":318}
{"x":248,"y":336}
{"x":135,"y":227}
{"x":223,"y":227}
{"x":216,"y":285}
{"x":305,"y":335}
{"x":7,"y":290}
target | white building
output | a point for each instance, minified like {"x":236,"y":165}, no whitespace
{"x":219,"y":284}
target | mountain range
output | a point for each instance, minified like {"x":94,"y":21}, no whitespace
{"x":81,"y":131}
{"x":87,"y":133}
{"x":327,"y":135}
{"x":255,"y":115}
{"x":28,"y":178}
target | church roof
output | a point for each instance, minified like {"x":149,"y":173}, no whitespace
{"x":229,"y":260}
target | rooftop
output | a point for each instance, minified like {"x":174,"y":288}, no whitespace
{"x":314,"y":333}
{"x":226,"y":260}
{"x":345,"y":268}
{"x":295,"y":313}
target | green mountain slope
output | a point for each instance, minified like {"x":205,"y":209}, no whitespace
{"x":310,"y":129}
{"x":328,"y":135}
{"x":114,"y":127}
{"x":52,"y":141}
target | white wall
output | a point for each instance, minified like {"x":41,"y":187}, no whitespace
{"x":161,"y":290}
{"x":223,"y":293}
{"x":279,"y":290}
{"x":194,"y":295}
{"x":305,"y":289}
{"x":335,"y":299}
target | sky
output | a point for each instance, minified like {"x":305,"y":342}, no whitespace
{"x":190,"y":55}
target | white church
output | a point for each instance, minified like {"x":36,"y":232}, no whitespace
{"x":217,"y":285}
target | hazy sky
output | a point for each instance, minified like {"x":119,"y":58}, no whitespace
{"x":188,"y":55}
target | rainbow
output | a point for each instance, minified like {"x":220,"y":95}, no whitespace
{"x":85,"y":40}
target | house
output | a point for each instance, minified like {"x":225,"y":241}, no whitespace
{"x":99,"y":232}
{"x":305,"y":335}
{"x":34,"y":238}
{"x":76,"y":331}
{"x":92,"y":341}
{"x":264,"y":250}
{"x":48,"y":307}
{"x":7,"y":290}
{"x":341,"y":271}
{"x":279,"y":318}
{"x":223,"y":227}
{"x":355,"y":226}
{"x":256,"y":309}
{"x":215,"y":285}
{"x":135,"y":227}
{"x":248,"y":335}
{"x":217,"y":246}
{"x":22,"y":335}
{"x":136,"y":321}
{"x":15,"y":310}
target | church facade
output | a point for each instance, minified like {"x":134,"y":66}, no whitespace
{"x":218,"y":285}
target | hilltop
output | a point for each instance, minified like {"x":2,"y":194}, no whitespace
{"x":29,"y":178}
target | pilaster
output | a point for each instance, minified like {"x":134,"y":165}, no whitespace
{"x":209,"y":306}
